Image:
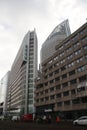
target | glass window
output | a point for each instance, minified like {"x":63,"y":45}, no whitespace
{"x":70,"y":56}
{"x":59,"y":104}
{"x":52,"y":89}
{"x":64,"y":76}
{"x":74,"y":81}
{"x":67,"y":103}
{"x":58,"y":95}
{"x":78,"y":52}
{"x":66,"y":93}
{"x":72,"y":72}
{"x":65,"y":84}
{"x":46,"y":91}
{"x":79,"y":60}
{"x":82,"y":68}
{"x":85,"y":47}
{"x":76,"y":44}
{"x":58,"y":87}
{"x":73,"y":92}
{"x":52,"y":97}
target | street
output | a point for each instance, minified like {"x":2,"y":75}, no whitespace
{"x":9,"y":125}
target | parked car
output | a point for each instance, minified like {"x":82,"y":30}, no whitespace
{"x":2,"y":117}
{"x":27,"y":117}
{"x":15,"y":118}
{"x":80,"y":121}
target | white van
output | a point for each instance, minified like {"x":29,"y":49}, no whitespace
{"x":15,"y":118}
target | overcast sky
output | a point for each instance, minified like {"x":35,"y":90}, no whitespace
{"x":19,"y":16}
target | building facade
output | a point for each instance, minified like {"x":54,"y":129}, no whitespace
{"x":23,"y":73}
{"x":59,"y":33}
{"x":4,"y":82}
{"x":62,"y":86}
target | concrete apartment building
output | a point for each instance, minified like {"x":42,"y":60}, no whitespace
{"x":61,"y":89}
{"x":23,"y":73}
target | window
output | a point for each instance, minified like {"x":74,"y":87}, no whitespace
{"x":66,"y":93}
{"x":65,"y":84}
{"x":41,"y":93}
{"x":86,"y":56}
{"x":50,"y":67}
{"x":73,"y":81}
{"x":58,"y":87}
{"x":31,"y":75}
{"x":51,"y":74}
{"x":83,"y":78}
{"x":72,"y":72}
{"x":60,"y":47}
{"x":46,"y":83}
{"x":69,"y":49}
{"x":63,"y":68}
{"x":76,"y":44}
{"x":75,"y":101}
{"x":70,"y":56}
{"x":66,"y":103}
{"x":46,"y":91}
{"x":62,"y":61}
{"x":82,"y":31}
{"x":79,"y":60}
{"x":84,"y":39}
{"x":85,"y":47}
{"x":46,"y":98}
{"x":64,"y":76}
{"x":59,"y":104}
{"x":51,"y":81}
{"x":81,"y":89}
{"x":41,"y":99}
{"x":30,"y":90}
{"x":57,"y":64}
{"x":30,"y":101}
{"x":57,"y":71}
{"x":52,"y":89}
{"x":58,"y":95}
{"x":78,"y":52}
{"x":73,"y":92}
{"x":61,"y":54}
{"x":82,"y":68}
{"x":68,"y":42}
{"x":50,"y":62}
{"x":52,"y":97}
{"x":56,"y":58}
{"x":57,"y":79}
{"x":71,"y":64}
{"x":31,"y":96}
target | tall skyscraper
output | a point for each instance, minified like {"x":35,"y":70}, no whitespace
{"x":59,"y":33}
{"x":4,"y":82}
{"x":23,"y":73}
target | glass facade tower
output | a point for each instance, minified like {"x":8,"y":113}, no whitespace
{"x":59,"y":33}
{"x":23,"y":73}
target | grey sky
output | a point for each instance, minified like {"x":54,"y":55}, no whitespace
{"x":19,"y":16}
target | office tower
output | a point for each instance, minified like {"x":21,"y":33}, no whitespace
{"x":62,"y":87}
{"x":23,"y":73}
{"x":4,"y":82}
{"x":59,"y":33}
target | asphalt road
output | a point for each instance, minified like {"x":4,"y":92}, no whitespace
{"x":9,"y":125}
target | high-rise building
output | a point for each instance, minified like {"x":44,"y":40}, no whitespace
{"x":61,"y":89}
{"x":4,"y":82}
{"x":59,"y":33}
{"x":23,"y":73}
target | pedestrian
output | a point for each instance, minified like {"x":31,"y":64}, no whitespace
{"x":57,"y":119}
